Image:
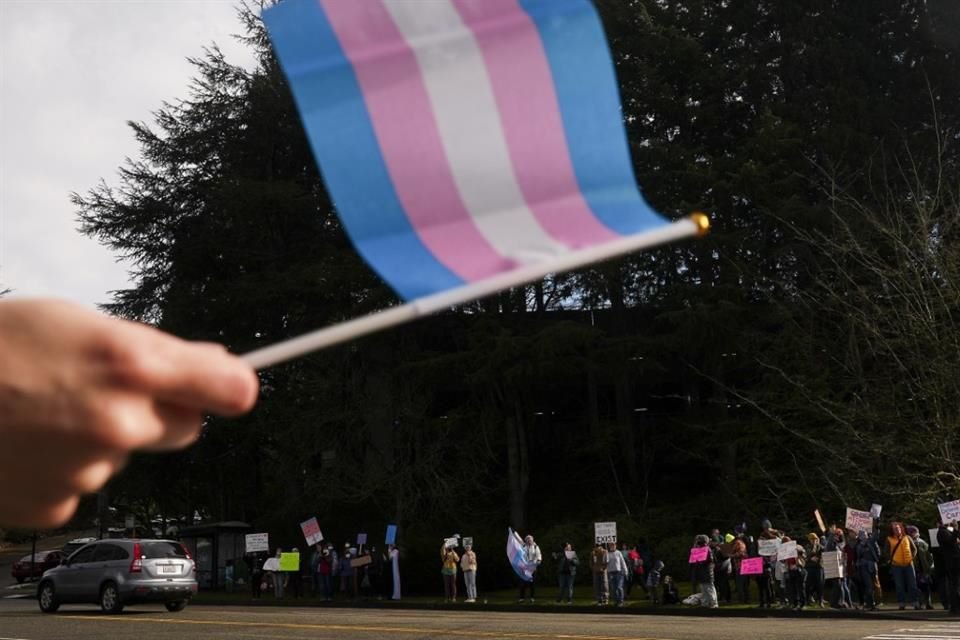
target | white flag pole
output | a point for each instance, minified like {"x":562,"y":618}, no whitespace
{"x":696,"y":224}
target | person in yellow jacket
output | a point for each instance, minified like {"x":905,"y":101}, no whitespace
{"x":449,"y":570}
{"x":901,"y":550}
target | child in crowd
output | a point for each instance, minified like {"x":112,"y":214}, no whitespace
{"x":670,"y":593}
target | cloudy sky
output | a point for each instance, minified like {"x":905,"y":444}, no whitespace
{"x":72,"y":73}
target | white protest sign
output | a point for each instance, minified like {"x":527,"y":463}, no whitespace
{"x":787,"y":550}
{"x":257,"y":542}
{"x":933,"y":537}
{"x":271,"y":564}
{"x":949,"y":511}
{"x":875,"y":510}
{"x":833,"y":564}
{"x":604,"y":532}
{"x":768,"y":547}
{"x":451,"y":542}
{"x":311,"y":531}
{"x":467,"y":542}
{"x":859,"y":520}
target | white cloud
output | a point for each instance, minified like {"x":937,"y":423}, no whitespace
{"x":72,"y":74}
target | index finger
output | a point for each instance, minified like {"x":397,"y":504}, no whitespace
{"x":197,"y":375}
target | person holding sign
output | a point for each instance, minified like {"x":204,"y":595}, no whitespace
{"x":702,"y":570}
{"x":598,"y":565}
{"x":768,"y":538}
{"x":448,"y":569}
{"x":947,"y":543}
{"x":567,"y":572}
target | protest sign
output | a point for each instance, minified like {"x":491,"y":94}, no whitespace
{"x":451,"y":542}
{"x":468,"y":542}
{"x":933,"y":538}
{"x":570,"y":554}
{"x":255,"y":542}
{"x":768,"y":547}
{"x":726,"y":549}
{"x":362,"y":561}
{"x":949,"y":511}
{"x":361,"y":539}
{"x":604,"y":532}
{"x":833,"y":564}
{"x":816,"y":514}
{"x":391,"y":534}
{"x":858,"y":521}
{"x":698,"y":554}
{"x":311,"y":531}
{"x":875,"y":510}
{"x":271,"y":564}
{"x":787,"y":550}
{"x":290,"y":561}
{"x":751,"y":566}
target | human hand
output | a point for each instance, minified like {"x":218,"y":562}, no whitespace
{"x":79,"y":391}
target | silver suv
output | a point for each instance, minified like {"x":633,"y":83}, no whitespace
{"x":115,"y":573}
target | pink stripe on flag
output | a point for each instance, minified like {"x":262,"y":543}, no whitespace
{"x":523,"y":85}
{"x":406,"y":129}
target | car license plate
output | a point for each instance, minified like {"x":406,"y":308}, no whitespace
{"x":169,"y":568}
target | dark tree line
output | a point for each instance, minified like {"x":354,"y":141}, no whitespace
{"x":802,"y":355}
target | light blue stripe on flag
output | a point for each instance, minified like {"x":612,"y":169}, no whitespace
{"x":345,"y":145}
{"x":588,"y":94}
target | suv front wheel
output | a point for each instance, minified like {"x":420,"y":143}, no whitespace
{"x":110,"y":599}
{"x":175,"y":605}
{"x":48,"y":598}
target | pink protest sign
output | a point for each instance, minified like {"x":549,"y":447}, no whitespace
{"x":751,"y":566}
{"x":698,"y":554}
{"x":311,"y":531}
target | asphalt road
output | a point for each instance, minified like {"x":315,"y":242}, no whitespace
{"x":21,"y":620}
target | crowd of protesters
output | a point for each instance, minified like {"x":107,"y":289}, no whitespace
{"x":352,"y":573}
{"x":861,"y":563}
{"x":920,"y":571}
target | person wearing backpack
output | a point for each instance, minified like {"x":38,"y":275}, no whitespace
{"x":901,"y":552}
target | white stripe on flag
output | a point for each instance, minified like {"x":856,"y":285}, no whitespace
{"x":470,"y":127}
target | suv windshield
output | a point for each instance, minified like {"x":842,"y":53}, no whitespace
{"x":151,"y":550}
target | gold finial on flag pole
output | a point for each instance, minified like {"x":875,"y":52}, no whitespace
{"x":702,"y":221}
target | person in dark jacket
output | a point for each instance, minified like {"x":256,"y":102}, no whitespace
{"x":653,"y":581}
{"x":567,"y":563}
{"x":867,"y":561}
{"x":947,"y":538}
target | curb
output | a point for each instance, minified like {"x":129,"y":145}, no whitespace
{"x":694,"y":612}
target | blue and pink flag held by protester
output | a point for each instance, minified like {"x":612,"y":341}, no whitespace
{"x":515,"y":554}
{"x":468,"y":145}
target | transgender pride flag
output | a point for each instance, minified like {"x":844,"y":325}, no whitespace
{"x":469,"y":145}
